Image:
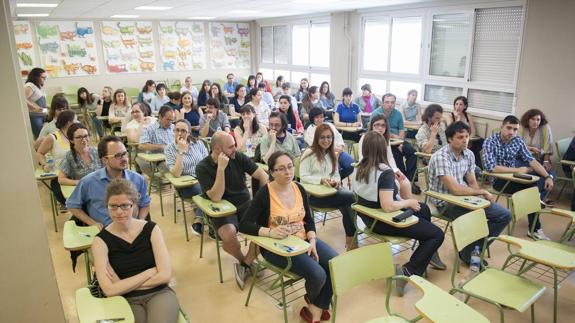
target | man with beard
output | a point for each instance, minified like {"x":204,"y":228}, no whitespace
{"x":222,"y":177}
{"x":87,"y":201}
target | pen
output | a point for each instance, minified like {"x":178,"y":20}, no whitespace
{"x":85,"y":234}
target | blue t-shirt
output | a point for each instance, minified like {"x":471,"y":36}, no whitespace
{"x":346,"y":113}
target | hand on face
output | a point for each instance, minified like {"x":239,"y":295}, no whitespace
{"x":223,"y":160}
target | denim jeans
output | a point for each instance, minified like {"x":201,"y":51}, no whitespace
{"x":430,"y":238}
{"x":497,"y":219}
{"x":516,"y":187}
{"x":316,"y":274}
{"x":189,"y":192}
{"x":344,"y":161}
{"x":36,"y":122}
{"x":343,"y":199}
{"x":98,"y":125}
{"x":410,"y":165}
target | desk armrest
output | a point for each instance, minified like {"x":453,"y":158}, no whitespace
{"x":277,"y":245}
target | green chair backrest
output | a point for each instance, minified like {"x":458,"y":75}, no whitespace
{"x":355,"y":151}
{"x":70,"y":90}
{"x":469,"y":228}
{"x":524,"y":202}
{"x":360,"y":266}
{"x":562,"y":146}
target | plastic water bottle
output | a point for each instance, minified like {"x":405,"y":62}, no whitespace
{"x":474,"y":262}
{"x":249,"y":147}
{"x":50,"y":164}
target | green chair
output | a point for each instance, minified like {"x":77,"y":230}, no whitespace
{"x":497,"y":287}
{"x":350,"y":269}
{"x":177,"y":183}
{"x":77,"y":238}
{"x":560,"y":149}
{"x":355,"y":150}
{"x":132,"y":94}
{"x":284,"y":276}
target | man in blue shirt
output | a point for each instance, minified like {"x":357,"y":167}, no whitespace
{"x":505,"y":152}
{"x":87,"y":201}
{"x":230,"y":85}
{"x":397,"y":130}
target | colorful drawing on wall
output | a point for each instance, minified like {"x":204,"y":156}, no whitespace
{"x":24,"y":46}
{"x":230,"y":45}
{"x":128,"y":46}
{"x":182,"y":45}
{"x":67,"y":48}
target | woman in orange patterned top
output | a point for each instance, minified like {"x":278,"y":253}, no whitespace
{"x":280,"y":209}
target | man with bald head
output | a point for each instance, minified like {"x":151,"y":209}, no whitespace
{"x":222,"y":177}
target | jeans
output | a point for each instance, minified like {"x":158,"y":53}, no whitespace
{"x":189,"y":192}
{"x":344,"y":161}
{"x":343,"y":199}
{"x":410,"y":165}
{"x":316,"y":274}
{"x":497,"y":219}
{"x":98,"y":125}
{"x":516,"y":187}
{"x":410,"y":134}
{"x":429,"y":236}
{"x":36,"y":122}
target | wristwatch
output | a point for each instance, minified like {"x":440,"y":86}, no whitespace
{"x":549,"y":176}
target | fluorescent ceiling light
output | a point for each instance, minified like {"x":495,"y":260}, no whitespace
{"x":33,"y":14}
{"x":124,"y":16}
{"x":202,"y":18}
{"x":36,"y":5}
{"x":152,"y":8}
{"x":244,"y":12}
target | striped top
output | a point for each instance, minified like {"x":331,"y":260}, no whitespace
{"x":190,"y":158}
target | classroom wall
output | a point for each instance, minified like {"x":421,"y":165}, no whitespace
{"x":29,"y":291}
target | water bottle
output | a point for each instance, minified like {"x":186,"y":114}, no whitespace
{"x":50,"y":164}
{"x":474,"y":262}
{"x":289,"y":129}
{"x":219,"y":128}
{"x":249,"y":147}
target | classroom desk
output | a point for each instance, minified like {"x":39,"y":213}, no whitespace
{"x":385,"y":217}
{"x":468,"y":202}
{"x":278,"y":246}
{"x":568,"y":162}
{"x":508,"y":178}
{"x":91,"y":309}
{"x":45,"y":179}
{"x":319,"y":190}
{"x":219,"y":209}
{"x":395,"y":141}
{"x":349,"y":129}
{"x":181,"y":181}
{"x":67,"y":190}
{"x":76,"y":238}
{"x":154,"y":160}
{"x":410,"y":126}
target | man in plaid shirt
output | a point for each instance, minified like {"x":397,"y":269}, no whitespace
{"x":505,"y":152}
{"x":452,"y":171}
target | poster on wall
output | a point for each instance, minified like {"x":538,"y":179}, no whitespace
{"x":24,"y":46}
{"x":230,"y":45}
{"x":67,"y":48}
{"x":182,"y":45}
{"x":128,"y":46}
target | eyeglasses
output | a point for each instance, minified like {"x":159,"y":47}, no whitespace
{"x":379,"y":125}
{"x":119,"y":156}
{"x":124,"y":207}
{"x":284,"y":169}
{"x":328,"y":138}
{"x":81,"y":137}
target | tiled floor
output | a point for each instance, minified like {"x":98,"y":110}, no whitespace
{"x":204,"y":299}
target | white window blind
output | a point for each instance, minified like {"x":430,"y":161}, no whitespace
{"x":490,"y":100}
{"x":280,"y":45}
{"x":441,"y":94}
{"x":267,"y":45}
{"x":449,"y":45}
{"x":496,"y":45}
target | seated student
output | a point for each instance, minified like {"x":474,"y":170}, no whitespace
{"x":302,"y":91}
{"x":286,"y":90}
{"x":230,"y":85}
{"x":59,"y":103}
{"x":411,"y":112}
{"x":216,"y":93}
{"x":374,"y":184}
{"x":326,"y":96}
{"x":56,"y":145}
{"x":103,"y":108}
{"x":460,"y":114}
{"x":367,"y":102}
{"x":452,"y":170}
{"x":132,"y":260}
{"x":249,"y":133}
{"x":431,"y":135}
{"x":344,"y":160}
{"x":182,"y":157}
{"x":140,"y":118}
{"x":397,"y":130}
{"x":347,"y":114}
{"x":81,"y":159}
{"x":261,"y":108}
{"x":239,"y":98}
{"x":161,"y":97}
{"x":281,"y":209}
{"x":190,"y":112}
{"x":204,"y":93}
{"x":319,"y":166}
{"x":279,"y":138}
{"x":87,"y":202}
{"x":222,"y":177}
{"x":570,"y":155}
{"x":260,"y":79}
{"x":266,"y":96}
{"x":310,"y":101}
{"x":119,"y":109}
{"x":156,"y":137}
{"x":251,"y":83}
{"x":277,"y":90}
{"x":214,"y":119}
{"x":294,"y":123}
{"x":88,"y":102}
{"x":504,"y":152}
{"x":189,"y":87}
{"x":148,"y":92}
{"x":175,"y":100}
{"x":379,"y":125}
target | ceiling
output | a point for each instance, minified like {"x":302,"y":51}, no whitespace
{"x":236,"y":10}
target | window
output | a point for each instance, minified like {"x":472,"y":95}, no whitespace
{"x":267,"y":45}
{"x":490,"y":100}
{"x":405,"y":45}
{"x":319,"y":45}
{"x":449,"y":45}
{"x":317,"y":78}
{"x":441,"y":94}
{"x":400,"y":89}
{"x":274,"y":45}
{"x":300,"y":45}
{"x":375,"y":45}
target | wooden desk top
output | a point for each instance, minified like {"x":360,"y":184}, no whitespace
{"x":220,"y":209}
{"x":279,"y":246}
{"x":412,"y":126}
{"x":91,"y":309}
{"x":395,"y":141}
{"x":380,"y":215}
{"x":349,"y":129}
{"x":43,"y":176}
{"x":468,"y":202}
{"x":182,"y":181}
{"x":152,"y":158}
{"x":318,"y":190}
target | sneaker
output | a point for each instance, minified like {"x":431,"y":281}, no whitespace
{"x":415,"y":189}
{"x":325,"y":316}
{"x":400,"y":284}
{"x":63,"y":208}
{"x":212,"y":234}
{"x":197,"y":228}
{"x":436,"y":262}
{"x":538,"y":235}
{"x":253,"y":270}
{"x":241,"y":272}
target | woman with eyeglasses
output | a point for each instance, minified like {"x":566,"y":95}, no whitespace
{"x":189,"y":111}
{"x":182,"y":157}
{"x":132,"y":260}
{"x":319,"y":166}
{"x":216,"y":93}
{"x":281,"y":209}
{"x":140,"y":118}
{"x":81,"y":159}
{"x":59,"y":103}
